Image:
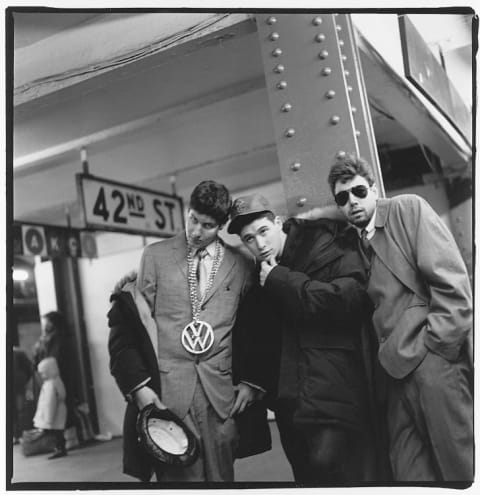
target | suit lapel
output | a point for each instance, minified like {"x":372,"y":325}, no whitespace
{"x":180,"y":253}
{"x":226,"y":266}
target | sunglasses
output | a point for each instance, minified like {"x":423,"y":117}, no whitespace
{"x":342,"y":197}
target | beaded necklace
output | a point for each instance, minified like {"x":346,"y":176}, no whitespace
{"x":195,"y":302}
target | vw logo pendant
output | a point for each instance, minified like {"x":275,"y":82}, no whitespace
{"x":197,"y":337}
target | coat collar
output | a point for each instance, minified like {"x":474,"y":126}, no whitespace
{"x":383,"y":207}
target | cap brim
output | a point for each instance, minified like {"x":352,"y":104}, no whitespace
{"x":243,"y":218}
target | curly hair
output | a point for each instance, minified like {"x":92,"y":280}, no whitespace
{"x":347,"y":167}
{"x":212,"y":199}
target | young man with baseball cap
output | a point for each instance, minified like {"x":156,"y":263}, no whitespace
{"x":308,"y":307}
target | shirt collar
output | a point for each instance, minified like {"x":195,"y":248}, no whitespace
{"x":210,"y":249}
{"x":370,"y":227}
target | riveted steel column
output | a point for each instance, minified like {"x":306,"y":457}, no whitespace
{"x":309,"y":101}
{"x":357,"y":95}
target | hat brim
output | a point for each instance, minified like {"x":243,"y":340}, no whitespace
{"x":240,"y":220}
{"x":151,"y":445}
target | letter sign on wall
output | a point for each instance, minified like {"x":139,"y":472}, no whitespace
{"x":34,"y":242}
{"x":110,"y":205}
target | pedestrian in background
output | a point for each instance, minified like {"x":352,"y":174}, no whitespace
{"x":188,"y":358}
{"x":422,"y":314}
{"x":308,"y":309}
{"x":22,"y":373}
{"x":51,"y":413}
{"x":53,"y":343}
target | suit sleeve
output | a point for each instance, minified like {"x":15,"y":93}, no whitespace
{"x":442,"y":268}
{"x":339,"y":300}
{"x":147,"y":278}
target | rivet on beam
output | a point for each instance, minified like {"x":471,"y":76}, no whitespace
{"x":340,"y":154}
{"x":301,"y":202}
{"x":344,"y":58}
{"x":357,"y":133}
{"x":286,"y":107}
{"x":317,"y":21}
{"x":296,"y":166}
{"x":326,"y":71}
{"x":330,"y":94}
{"x":271,"y":20}
{"x":349,"y":88}
{"x":279,"y":68}
{"x":282,"y":85}
{"x":354,"y":109}
{"x":323,"y":54}
{"x":335,"y":120}
{"x":339,"y":28}
{"x":277,"y":52}
{"x":341,"y":42}
{"x":320,"y":38}
{"x":290,"y":132}
{"x":346,"y":72}
{"x":274,"y":36}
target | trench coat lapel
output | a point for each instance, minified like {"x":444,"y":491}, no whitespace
{"x":387,"y":249}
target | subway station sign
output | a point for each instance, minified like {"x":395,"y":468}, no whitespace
{"x":53,"y":242}
{"x":110,"y":205}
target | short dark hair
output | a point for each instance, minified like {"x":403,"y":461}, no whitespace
{"x":348,"y":166}
{"x":244,"y":220}
{"x":212,"y":199}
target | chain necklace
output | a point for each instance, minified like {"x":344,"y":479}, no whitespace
{"x":195,"y":302}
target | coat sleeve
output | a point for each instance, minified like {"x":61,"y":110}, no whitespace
{"x":441,"y":266}
{"x":127,"y":365}
{"x":339,"y":300}
{"x":252,"y":360}
{"x":50,"y":403}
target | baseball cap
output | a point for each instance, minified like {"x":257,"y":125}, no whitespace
{"x":243,"y":206}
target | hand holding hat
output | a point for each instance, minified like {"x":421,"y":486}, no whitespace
{"x":145,"y":396}
{"x":166,"y":437}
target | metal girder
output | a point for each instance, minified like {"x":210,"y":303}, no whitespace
{"x":358,"y":98}
{"x":310,"y":100}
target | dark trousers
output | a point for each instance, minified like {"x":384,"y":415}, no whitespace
{"x":318,"y":453}
{"x":430,"y":422}
{"x":59,"y":439}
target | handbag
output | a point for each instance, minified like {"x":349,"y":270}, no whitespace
{"x":37,"y":441}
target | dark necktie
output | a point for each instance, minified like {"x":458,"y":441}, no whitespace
{"x":365,"y":243}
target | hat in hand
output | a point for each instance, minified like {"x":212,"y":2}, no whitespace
{"x":166,"y":437}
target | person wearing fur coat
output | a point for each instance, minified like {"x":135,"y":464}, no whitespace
{"x":51,"y":413}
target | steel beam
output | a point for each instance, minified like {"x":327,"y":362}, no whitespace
{"x":309,"y":97}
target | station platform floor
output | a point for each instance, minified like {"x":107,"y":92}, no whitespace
{"x":100,"y":462}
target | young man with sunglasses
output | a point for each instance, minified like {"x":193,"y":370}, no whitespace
{"x":307,"y":311}
{"x":422,"y":315}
